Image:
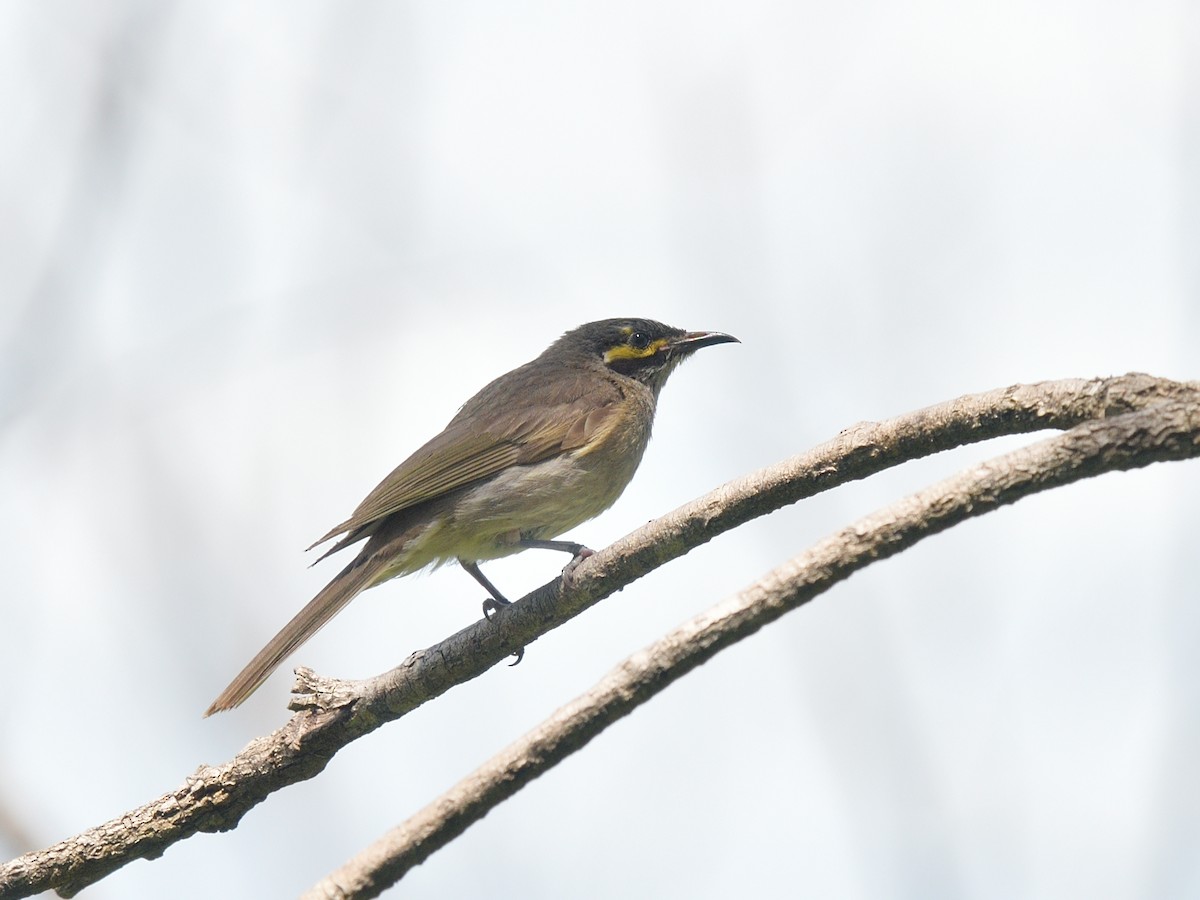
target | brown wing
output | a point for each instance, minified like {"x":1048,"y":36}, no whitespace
{"x":479,"y":446}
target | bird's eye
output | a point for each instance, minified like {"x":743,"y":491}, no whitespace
{"x":639,"y":340}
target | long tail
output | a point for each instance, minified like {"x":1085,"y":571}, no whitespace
{"x":348,"y":583}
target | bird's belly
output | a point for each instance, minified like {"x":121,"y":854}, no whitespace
{"x":542,"y":500}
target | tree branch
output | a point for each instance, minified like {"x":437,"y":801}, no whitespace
{"x":332,"y":713}
{"x":1133,"y":440}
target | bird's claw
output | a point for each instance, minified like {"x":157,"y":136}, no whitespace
{"x":493,"y":605}
{"x":568,"y":572}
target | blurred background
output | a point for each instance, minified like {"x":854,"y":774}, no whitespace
{"x":252,"y":256}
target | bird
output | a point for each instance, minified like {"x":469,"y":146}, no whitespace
{"x":537,"y":452}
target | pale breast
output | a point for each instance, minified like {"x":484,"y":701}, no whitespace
{"x":546,"y":498}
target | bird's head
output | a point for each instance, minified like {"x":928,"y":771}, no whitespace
{"x":637,"y":348}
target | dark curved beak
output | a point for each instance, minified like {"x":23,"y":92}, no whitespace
{"x":694,"y":340}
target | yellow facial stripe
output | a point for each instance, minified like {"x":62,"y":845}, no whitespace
{"x":624,"y":351}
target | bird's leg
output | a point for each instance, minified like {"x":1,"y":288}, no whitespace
{"x":494,"y":602}
{"x":578,"y":553}
{"x":565,"y":546}
{"x":497,"y":599}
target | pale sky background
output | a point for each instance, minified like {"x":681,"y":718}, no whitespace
{"x":253,"y":255}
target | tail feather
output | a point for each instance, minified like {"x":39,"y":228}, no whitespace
{"x":348,"y":583}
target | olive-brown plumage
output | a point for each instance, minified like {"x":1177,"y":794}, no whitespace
{"x":538,"y":451}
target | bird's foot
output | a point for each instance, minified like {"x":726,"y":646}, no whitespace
{"x":493,"y":605}
{"x":568,"y":572}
